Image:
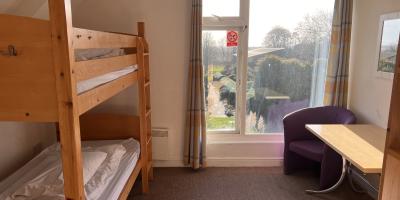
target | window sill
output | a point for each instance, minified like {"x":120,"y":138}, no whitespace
{"x":240,"y":139}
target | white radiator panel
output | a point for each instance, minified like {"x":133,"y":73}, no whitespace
{"x":160,"y":144}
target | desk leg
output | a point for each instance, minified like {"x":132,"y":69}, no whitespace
{"x":334,"y":187}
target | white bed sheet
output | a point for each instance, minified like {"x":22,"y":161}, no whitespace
{"x":114,"y":186}
{"x":127,"y":165}
{"x":89,"y":84}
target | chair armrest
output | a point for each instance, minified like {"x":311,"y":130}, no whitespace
{"x":294,"y":126}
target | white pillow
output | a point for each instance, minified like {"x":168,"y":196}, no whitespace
{"x":106,"y":171}
{"x":91,"y":162}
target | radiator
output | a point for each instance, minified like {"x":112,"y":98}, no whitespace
{"x":160,"y":143}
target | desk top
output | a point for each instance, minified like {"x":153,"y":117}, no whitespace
{"x":362,"y":145}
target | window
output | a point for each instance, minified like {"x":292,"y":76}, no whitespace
{"x":221,"y":8}
{"x":220,"y":64}
{"x":277,"y":67}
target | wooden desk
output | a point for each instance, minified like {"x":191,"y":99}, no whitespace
{"x":359,"y":145}
{"x":362,"y":145}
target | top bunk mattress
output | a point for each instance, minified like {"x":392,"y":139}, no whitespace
{"x":106,"y":183}
{"x":92,"y":54}
{"x":86,"y":85}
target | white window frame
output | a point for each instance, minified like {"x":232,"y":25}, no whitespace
{"x":238,"y":77}
{"x":239,"y":24}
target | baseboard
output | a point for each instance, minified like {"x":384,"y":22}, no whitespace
{"x":168,"y":163}
{"x":226,"y":162}
{"x":244,"y":162}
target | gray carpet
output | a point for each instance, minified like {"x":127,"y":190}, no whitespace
{"x":237,"y":184}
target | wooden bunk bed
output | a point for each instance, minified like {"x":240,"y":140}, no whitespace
{"x":38,"y":82}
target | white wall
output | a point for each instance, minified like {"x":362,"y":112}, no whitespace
{"x":34,"y":8}
{"x":168,"y":25}
{"x":369,"y":94}
{"x":105,"y":15}
{"x":20,"y":142}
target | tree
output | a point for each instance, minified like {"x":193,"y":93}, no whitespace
{"x":278,"y":37}
{"x":208,"y":48}
{"x":277,"y":76}
{"x":314,"y":27}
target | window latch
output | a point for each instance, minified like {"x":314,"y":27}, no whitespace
{"x":217,"y":17}
{"x":244,"y":28}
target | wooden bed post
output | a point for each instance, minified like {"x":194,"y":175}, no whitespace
{"x":68,"y":116}
{"x":142,"y":107}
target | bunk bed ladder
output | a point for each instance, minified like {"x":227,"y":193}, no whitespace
{"x":145,"y":107}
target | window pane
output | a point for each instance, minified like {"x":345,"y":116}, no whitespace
{"x":287,"y":59}
{"x":221,"y":8}
{"x":220,"y":64}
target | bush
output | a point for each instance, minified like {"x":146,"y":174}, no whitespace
{"x":290,"y":77}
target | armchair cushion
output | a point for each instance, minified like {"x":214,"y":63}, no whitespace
{"x":311,"y":149}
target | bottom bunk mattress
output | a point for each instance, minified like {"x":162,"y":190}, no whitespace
{"x":107,"y":167}
{"x":89,"y":84}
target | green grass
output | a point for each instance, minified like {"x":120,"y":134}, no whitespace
{"x":218,"y":69}
{"x":214,"y":123}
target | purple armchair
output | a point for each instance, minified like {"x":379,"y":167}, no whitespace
{"x":304,"y":150}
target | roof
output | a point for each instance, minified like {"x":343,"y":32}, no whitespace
{"x":261,"y":51}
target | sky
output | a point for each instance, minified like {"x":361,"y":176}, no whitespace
{"x":390,"y":35}
{"x":265,"y":14}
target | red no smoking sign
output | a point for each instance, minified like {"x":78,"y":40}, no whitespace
{"x":232,"y":38}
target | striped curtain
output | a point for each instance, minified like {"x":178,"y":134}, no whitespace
{"x":195,"y":138}
{"x":336,"y":86}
